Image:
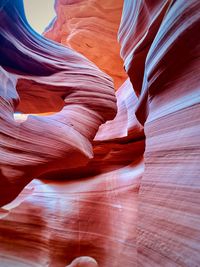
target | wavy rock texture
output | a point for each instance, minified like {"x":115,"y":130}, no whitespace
{"x":94,"y":216}
{"x":108,"y":207}
{"x":48,"y":84}
{"x":90,"y":27}
{"x":165,"y":42}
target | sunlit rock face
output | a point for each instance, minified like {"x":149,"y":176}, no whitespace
{"x":90,"y":27}
{"x":96,"y":201}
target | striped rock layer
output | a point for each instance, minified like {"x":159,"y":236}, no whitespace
{"x":90,"y":27}
{"x":109,"y":191}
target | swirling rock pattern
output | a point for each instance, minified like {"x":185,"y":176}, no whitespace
{"x":51,"y":142}
{"x":165,"y":42}
{"x":90,"y":27}
{"x":80,"y":215}
{"x":111,"y":207}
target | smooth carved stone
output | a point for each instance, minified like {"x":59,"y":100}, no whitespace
{"x":161,"y":53}
{"x":90,"y":27}
{"x":59,"y":221}
{"x":83,"y":262}
{"x":139,"y":25}
{"x":112,"y":206}
{"x":74,"y":217}
{"x":126,"y":102}
{"x":57,"y":79}
{"x":113,"y":146}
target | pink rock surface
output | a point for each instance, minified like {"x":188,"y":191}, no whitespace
{"x":110,"y":207}
{"x":163,"y":44}
{"x":51,"y":142}
{"x":95,"y":216}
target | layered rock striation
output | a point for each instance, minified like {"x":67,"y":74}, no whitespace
{"x":109,"y":190}
{"x":90,"y":27}
{"x":39,"y":76}
{"x":161,"y":55}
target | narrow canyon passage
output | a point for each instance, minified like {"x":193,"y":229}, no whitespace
{"x":104,"y":169}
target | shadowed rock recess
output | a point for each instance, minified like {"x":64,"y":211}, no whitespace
{"x":92,"y":176}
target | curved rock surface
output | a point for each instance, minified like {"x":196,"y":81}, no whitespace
{"x":161,"y":54}
{"x":90,"y":27}
{"x":110,"y":207}
{"x":83,"y":262}
{"x":48,"y":84}
{"x":88,"y":203}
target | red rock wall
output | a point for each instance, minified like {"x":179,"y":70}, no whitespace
{"x":114,"y":207}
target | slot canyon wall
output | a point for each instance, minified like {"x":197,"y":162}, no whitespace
{"x":105,"y":169}
{"x":90,"y":27}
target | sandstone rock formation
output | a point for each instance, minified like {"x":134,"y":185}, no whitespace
{"x":166,"y":45}
{"x":109,"y":192}
{"x":50,"y":84}
{"x":90,"y":27}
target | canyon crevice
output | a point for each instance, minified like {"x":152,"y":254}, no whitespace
{"x":101,"y":165}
